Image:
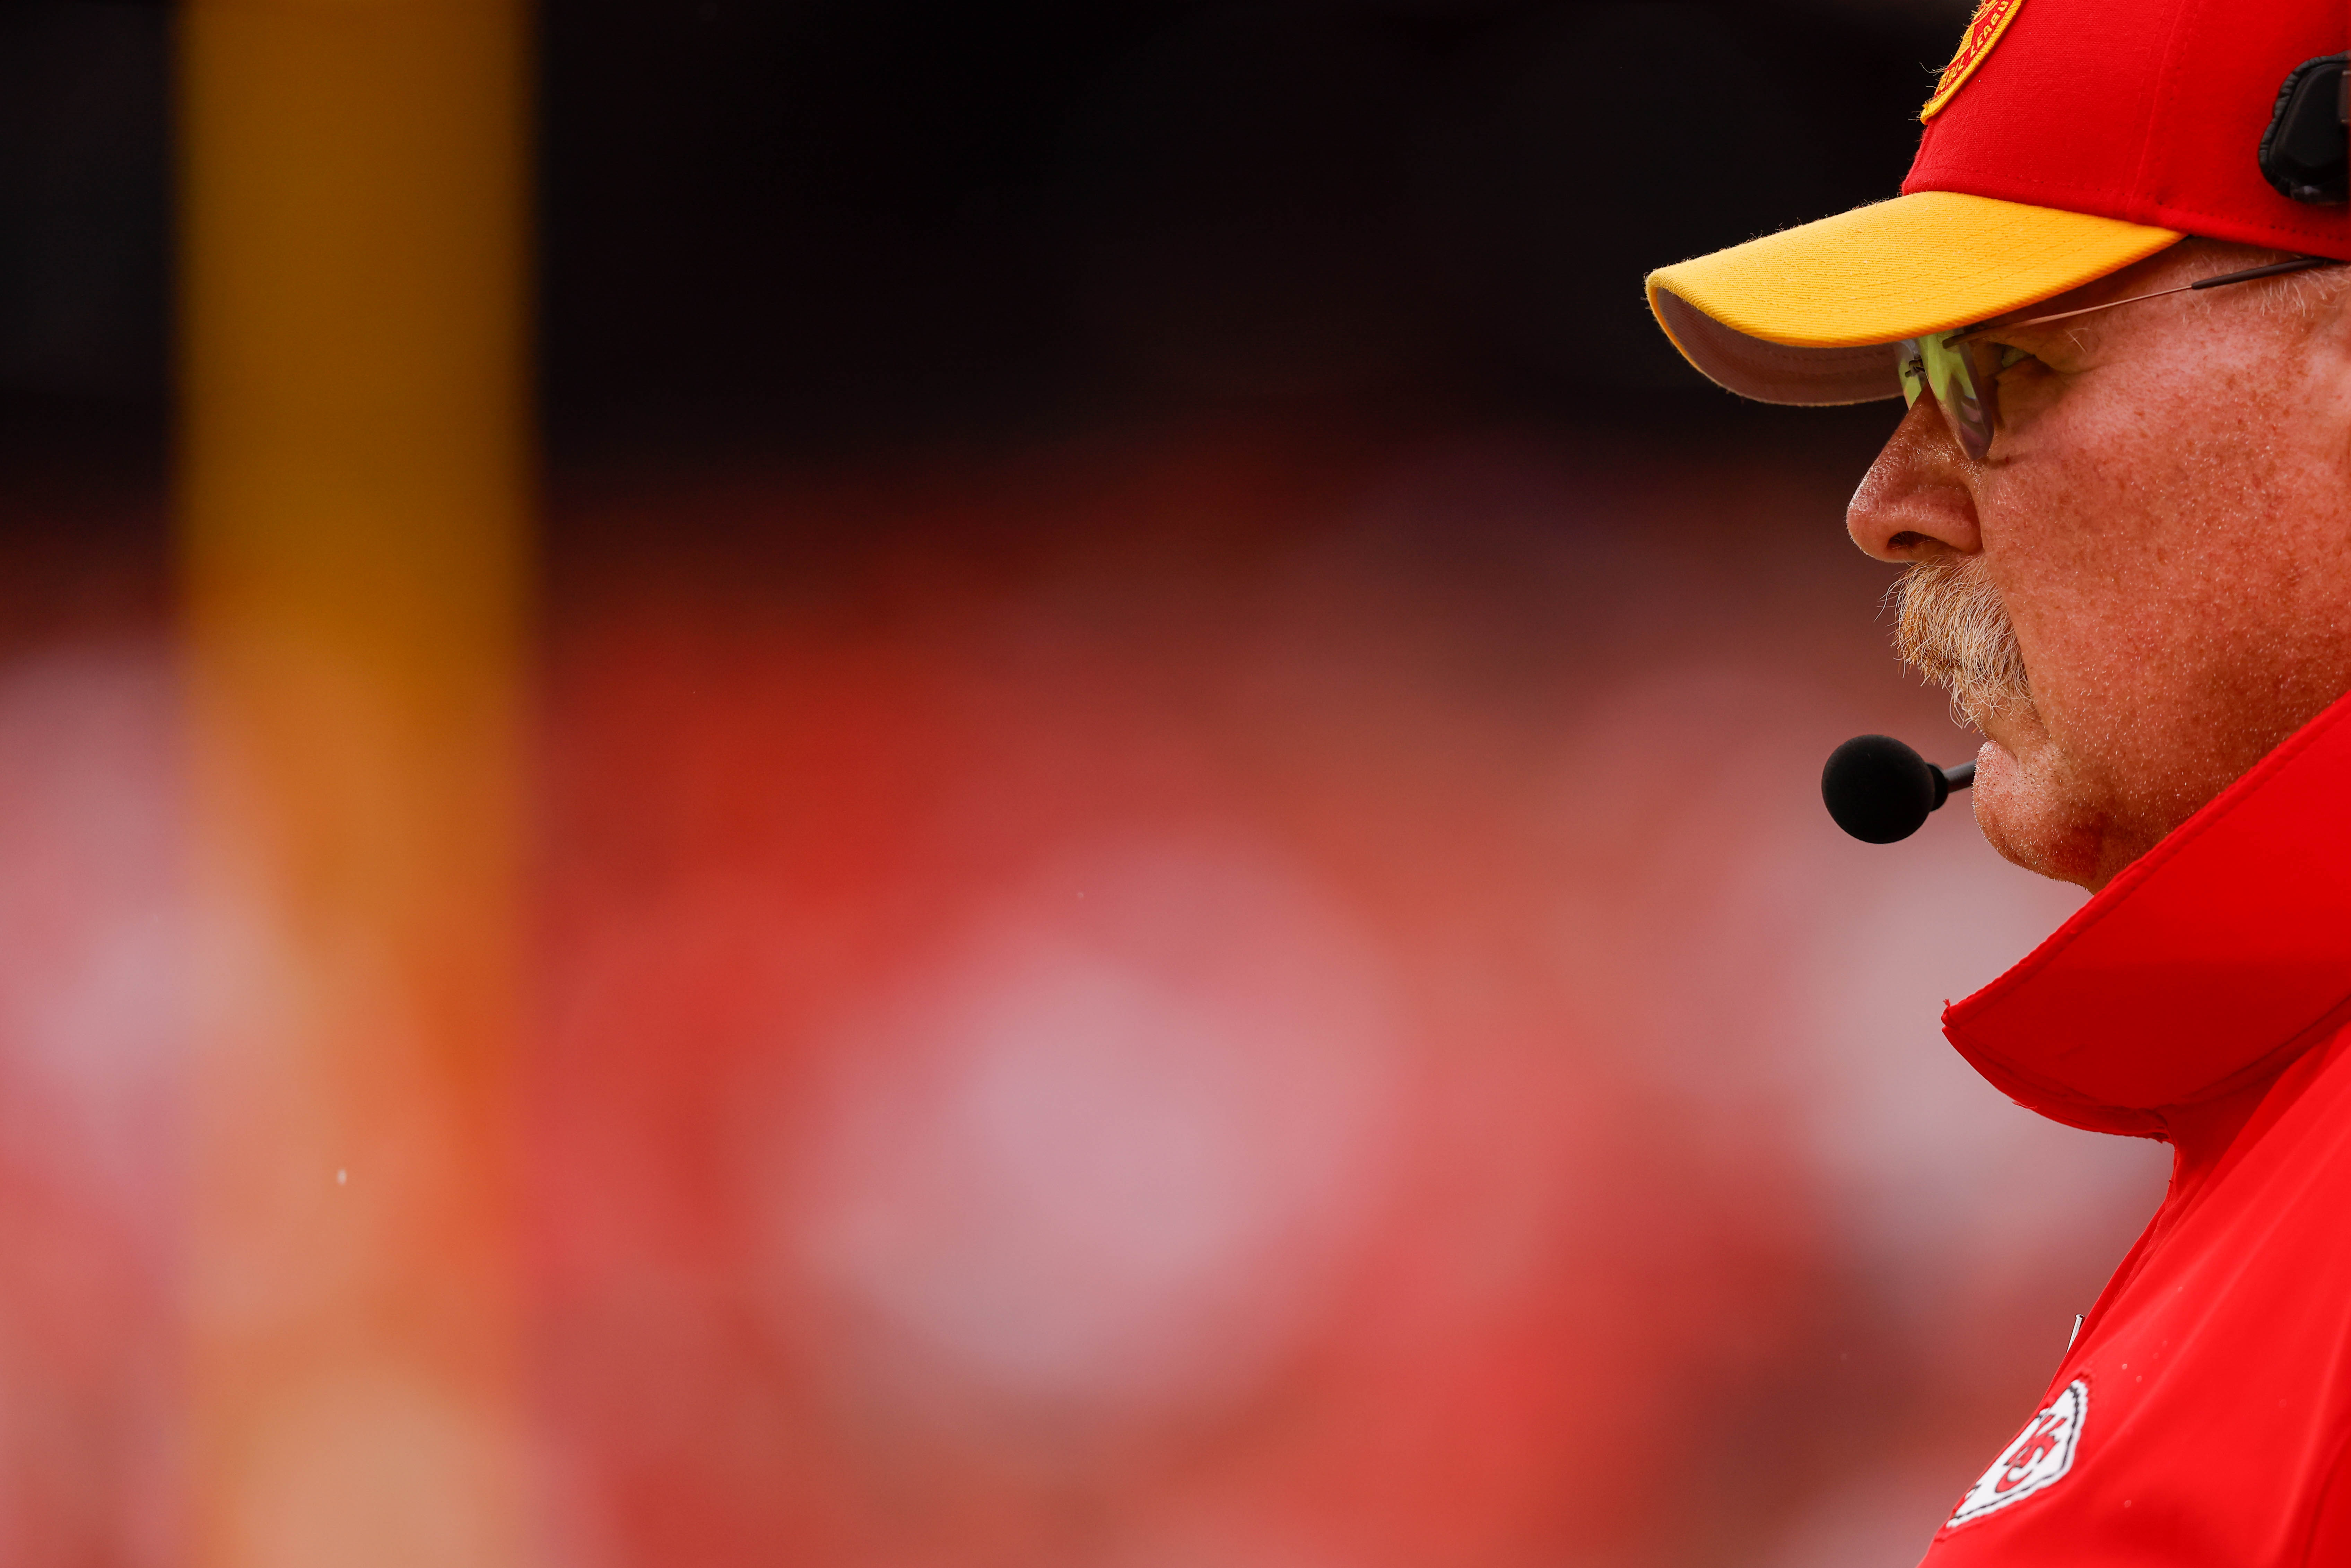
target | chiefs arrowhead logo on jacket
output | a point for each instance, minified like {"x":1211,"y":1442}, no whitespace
{"x":2037,"y":1460}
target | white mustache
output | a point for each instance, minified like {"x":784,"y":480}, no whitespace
{"x":1950,"y":626}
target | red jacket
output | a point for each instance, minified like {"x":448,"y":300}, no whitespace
{"x":2201,"y":1414}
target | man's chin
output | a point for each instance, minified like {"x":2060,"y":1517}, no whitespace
{"x":2025,"y":812}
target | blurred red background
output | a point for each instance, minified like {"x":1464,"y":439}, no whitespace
{"x":1199,"y":996}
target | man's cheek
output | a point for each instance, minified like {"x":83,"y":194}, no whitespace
{"x":2074,"y":621}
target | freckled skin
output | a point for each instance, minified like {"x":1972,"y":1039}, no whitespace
{"x":2167,"y":514}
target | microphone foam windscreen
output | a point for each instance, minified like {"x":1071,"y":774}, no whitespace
{"x":1878,"y":789}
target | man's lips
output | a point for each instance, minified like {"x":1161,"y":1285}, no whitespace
{"x":2010,"y":727}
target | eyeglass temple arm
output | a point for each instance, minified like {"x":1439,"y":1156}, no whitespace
{"x":2275,"y":268}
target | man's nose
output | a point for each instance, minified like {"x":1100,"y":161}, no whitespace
{"x":1916,"y":499}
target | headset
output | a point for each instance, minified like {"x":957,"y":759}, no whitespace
{"x":2306,"y":151}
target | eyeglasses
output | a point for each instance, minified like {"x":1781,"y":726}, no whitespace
{"x":1961,"y":369}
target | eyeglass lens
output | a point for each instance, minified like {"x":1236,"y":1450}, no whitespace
{"x":1961,"y":379}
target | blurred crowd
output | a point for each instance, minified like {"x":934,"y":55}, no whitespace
{"x":1200,"y":997}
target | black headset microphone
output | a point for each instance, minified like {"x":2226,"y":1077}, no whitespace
{"x":1880,"y":790}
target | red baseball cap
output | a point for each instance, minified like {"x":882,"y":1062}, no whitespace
{"x":2067,"y":139}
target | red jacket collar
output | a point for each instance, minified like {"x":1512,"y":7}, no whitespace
{"x":2210,"y":963}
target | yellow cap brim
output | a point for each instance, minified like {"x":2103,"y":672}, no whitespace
{"x":1806,"y":316}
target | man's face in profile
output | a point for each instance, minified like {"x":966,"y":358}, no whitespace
{"x":2146,"y":585}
